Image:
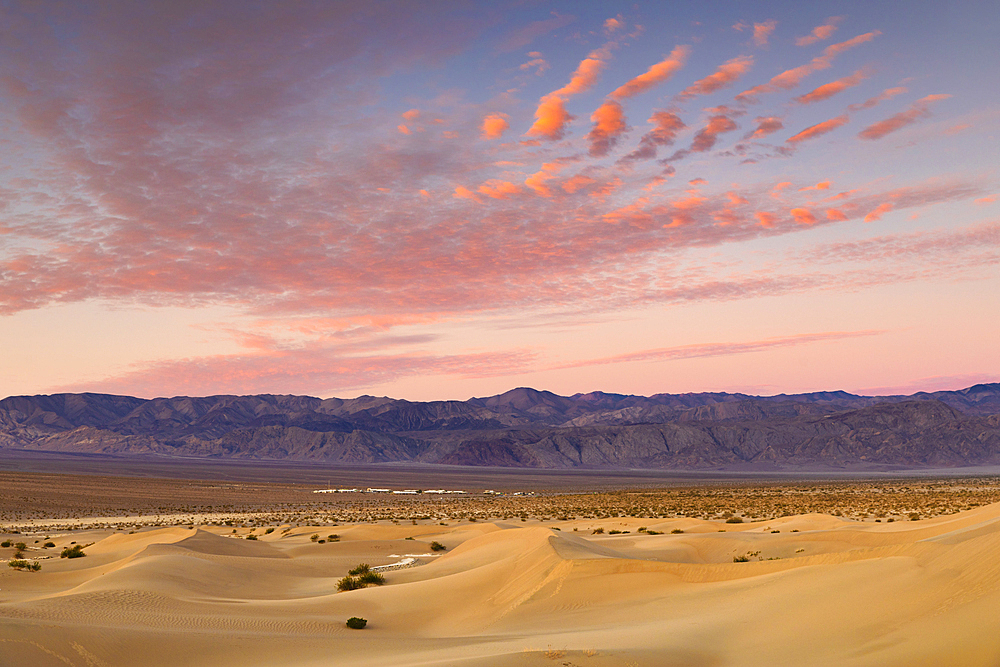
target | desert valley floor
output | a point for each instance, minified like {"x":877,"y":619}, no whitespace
{"x":878,"y":571}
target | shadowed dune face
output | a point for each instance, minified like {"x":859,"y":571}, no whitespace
{"x":814,"y":589}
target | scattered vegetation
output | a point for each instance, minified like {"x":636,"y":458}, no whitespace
{"x":359,"y":577}
{"x":356,"y":623}
{"x":361,"y":568}
{"x":76,"y":551}
{"x":30,"y":566}
{"x":437,"y":546}
{"x":745,"y":558}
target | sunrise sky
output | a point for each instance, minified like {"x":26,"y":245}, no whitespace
{"x":446,"y":200}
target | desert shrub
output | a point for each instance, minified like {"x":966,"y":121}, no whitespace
{"x":252,"y":537}
{"x":349,"y":583}
{"x":20,"y":546}
{"x":437,"y":546}
{"x":73,"y":552}
{"x":914,"y":516}
{"x":19,"y":564}
{"x":360,"y":569}
{"x":676,"y":531}
{"x":355,"y":623}
{"x":49,"y":544}
{"x":6,"y":543}
{"x":741,"y":559}
{"x":734,"y":519}
{"x":269,"y":530}
{"x":333,"y":538}
{"x":598,"y":531}
{"x":641,"y":529}
{"x":408,"y":538}
{"x":656,"y":532}
{"x":614,"y":532}
{"x":370,"y":578}
{"x":314,"y":537}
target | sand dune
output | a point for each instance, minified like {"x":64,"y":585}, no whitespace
{"x":816,"y":590}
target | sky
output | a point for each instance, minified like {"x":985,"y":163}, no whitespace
{"x":451,"y":199}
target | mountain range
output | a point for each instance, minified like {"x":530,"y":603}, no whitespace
{"x":529,"y":428}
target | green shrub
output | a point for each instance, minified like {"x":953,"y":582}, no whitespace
{"x":734,"y":519}
{"x":269,"y":530}
{"x":6,"y":543}
{"x":614,"y":532}
{"x":18,"y":564}
{"x":370,"y":578}
{"x":656,"y":532}
{"x":73,"y":552}
{"x":333,"y":538}
{"x":49,"y":544}
{"x":349,"y":583}
{"x":355,"y":623}
{"x":252,"y":537}
{"x":741,"y":559}
{"x":437,"y":546}
{"x":676,"y":531}
{"x":360,"y":569}
{"x":598,"y":531}
{"x":20,"y":546}
{"x":314,"y":537}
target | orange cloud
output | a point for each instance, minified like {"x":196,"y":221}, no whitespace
{"x":656,"y":74}
{"x":550,"y":119}
{"x":835,"y":215}
{"x":667,"y":127}
{"x":761,"y":31}
{"x":879,"y":211}
{"x":725,"y":75}
{"x":792,"y":77}
{"x":818,"y":129}
{"x":537,"y":180}
{"x":985,"y":200}
{"x":886,"y":94}
{"x":824,"y":185}
{"x":494,"y":125}
{"x":614,"y":24}
{"x":577,"y":183}
{"x":412,"y":114}
{"x":551,"y":116}
{"x":403,"y":129}
{"x":828,"y":90}
{"x":609,"y":124}
{"x":819,"y":33}
{"x":764,"y":219}
{"x":540,"y":63}
{"x":706,"y":137}
{"x":499,"y":189}
{"x":462,"y":192}
{"x":917,"y":110}
{"x":803,"y":216}
{"x":765,"y":125}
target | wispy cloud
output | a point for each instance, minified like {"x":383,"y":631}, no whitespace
{"x":918,"y":110}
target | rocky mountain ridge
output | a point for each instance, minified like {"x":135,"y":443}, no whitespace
{"x":529,"y":428}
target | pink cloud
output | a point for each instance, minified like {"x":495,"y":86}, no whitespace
{"x":609,"y":125}
{"x":707,"y":136}
{"x":762,"y":31}
{"x":818,"y":129}
{"x":723,"y":349}
{"x":919,"y":109}
{"x":820,"y":33}
{"x":879,"y":211}
{"x":655,"y":75}
{"x":727,"y":74}
{"x":793,"y":77}
{"x":765,"y":125}
{"x":667,"y":126}
{"x":886,"y":94}
{"x":828,"y":90}
{"x":494,"y":125}
{"x":803,"y":216}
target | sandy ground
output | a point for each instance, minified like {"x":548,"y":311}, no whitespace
{"x":815,"y":590}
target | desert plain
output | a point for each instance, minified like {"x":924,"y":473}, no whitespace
{"x":243,"y":566}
